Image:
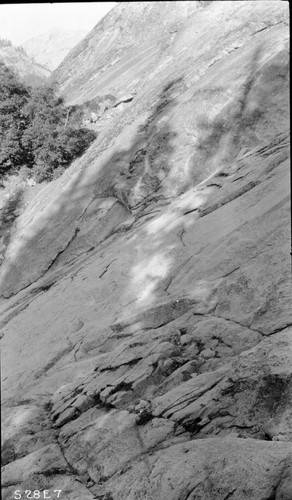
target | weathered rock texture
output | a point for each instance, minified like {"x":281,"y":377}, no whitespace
{"x":146,"y":295}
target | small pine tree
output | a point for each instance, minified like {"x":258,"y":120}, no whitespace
{"x":4,"y":42}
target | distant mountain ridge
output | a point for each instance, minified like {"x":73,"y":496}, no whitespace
{"x":29,"y":71}
{"x":51,"y":48}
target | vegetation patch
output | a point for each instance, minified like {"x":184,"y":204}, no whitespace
{"x":38,"y":133}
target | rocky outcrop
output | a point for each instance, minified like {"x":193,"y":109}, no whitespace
{"x":146,"y":295}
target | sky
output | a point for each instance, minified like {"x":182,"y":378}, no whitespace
{"x":20,"y":22}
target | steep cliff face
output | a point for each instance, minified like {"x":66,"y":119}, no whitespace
{"x":146,"y":297}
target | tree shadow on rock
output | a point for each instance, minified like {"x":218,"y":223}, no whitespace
{"x":133,"y":176}
{"x":8,"y":214}
{"x":234,"y":127}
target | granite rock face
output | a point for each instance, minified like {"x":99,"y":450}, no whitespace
{"x":146,"y":294}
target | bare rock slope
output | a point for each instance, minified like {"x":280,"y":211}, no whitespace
{"x":146,"y":294}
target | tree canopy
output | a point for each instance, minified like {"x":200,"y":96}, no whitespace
{"x":37,"y":130}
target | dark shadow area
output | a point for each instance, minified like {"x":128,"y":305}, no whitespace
{"x":233,"y":128}
{"x":9,"y":212}
{"x":146,"y":163}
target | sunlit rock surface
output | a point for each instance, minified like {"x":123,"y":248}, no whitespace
{"x":146,"y":294}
